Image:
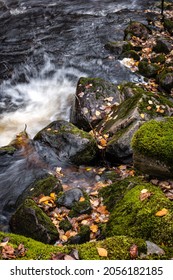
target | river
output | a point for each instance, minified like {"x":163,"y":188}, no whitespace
{"x":45,"y":46}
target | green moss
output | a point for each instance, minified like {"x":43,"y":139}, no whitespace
{"x":117,"y":247}
{"x":160,"y":58}
{"x":7,"y":150}
{"x":132,"y":217}
{"x":130,"y":54}
{"x":65,"y":225}
{"x":148,"y":70}
{"x":155,"y":139}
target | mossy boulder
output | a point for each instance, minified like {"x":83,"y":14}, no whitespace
{"x":118,"y":47}
{"x":82,"y":237}
{"x":148,"y":70}
{"x":136,"y":29}
{"x":165,"y":80}
{"x":159,"y":58}
{"x":130,"y":54}
{"x":70,"y":144}
{"x":163,"y":45}
{"x":168,"y":24}
{"x":29,"y":220}
{"x":124,"y":120}
{"x":153,"y":148}
{"x":45,"y":186}
{"x":93,"y":96}
{"x":9,"y":150}
{"x":117,"y":248}
{"x":136,"y":217}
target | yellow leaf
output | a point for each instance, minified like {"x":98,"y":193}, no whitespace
{"x":94,"y":228}
{"x":82,"y":199}
{"x":103,"y":142}
{"x":44,"y":199}
{"x":53,"y":196}
{"x":63,"y":237}
{"x":162,"y":212}
{"x":142,"y":116}
{"x":102,"y":252}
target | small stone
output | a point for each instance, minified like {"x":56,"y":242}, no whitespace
{"x":152,"y":248}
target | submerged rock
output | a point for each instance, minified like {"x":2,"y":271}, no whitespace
{"x":69,"y":197}
{"x":70,"y":144}
{"x":29,"y":220}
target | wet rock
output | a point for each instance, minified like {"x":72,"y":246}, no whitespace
{"x":136,"y":29}
{"x":163,"y":45}
{"x":152,"y":148}
{"x":69,"y":197}
{"x":148,"y":70}
{"x":130,"y":54}
{"x":70,"y":144}
{"x":117,"y":48}
{"x":168,"y":24}
{"x":45,"y":186}
{"x":125,"y":120}
{"x":153,"y":248}
{"x":165,"y":80}
{"x":29,"y":220}
{"x":94,"y":96}
{"x":82,"y":237}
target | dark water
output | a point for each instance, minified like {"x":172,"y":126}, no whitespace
{"x":45,"y":46}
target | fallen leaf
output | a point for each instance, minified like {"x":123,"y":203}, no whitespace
{"x":97,"y":113}
{"x":53,"y":196}
{"x":102,"y":252}
{"x":162,"y":212}
{"x":142,"y":116}
{"x":134,"y":251}
{"x":144,"y":194}
{"x":82,"y":199}
{"x":103,"y":142}
{"x":44,"y":199}
{"x":94,"y":228}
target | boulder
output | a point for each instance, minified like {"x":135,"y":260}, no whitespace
{"x":118,"y":47}
{"x":138,"y":216}
{"x":152,"y":148}
{"x":163,"y":45}
{"x":124,"y":120}
{"x":69,"y":197}
{"x":70,"y":144}
{"x":94,"y":97}
{"x":29,"y":220}
{"x":165,"y":80}
{"x":136,"y":29}
{"x":148,"y":70}
{"x":168,"y":24}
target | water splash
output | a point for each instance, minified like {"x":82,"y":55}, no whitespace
{"x":44,"y":99}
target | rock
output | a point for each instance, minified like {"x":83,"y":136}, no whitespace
{"x":94,"y":97}
{"x":69,"y":197}
{"x":130,"y":54}
{"x":152,"y":148}
{"x":136,"y":29}
{"x":160,"y":58}
{"x":131,"y":216}
{"x":168,"y":24}
{"x":163,"y":45}
{"x":148,"y":70}
{"x":65,"y":225}
{"x":45,"y":186}
{"x":70,"y":144}
{"x":82,"y":237}
{"x":152,"y":249}
{"x":124,"y":120}
{"x":117,"y":48}
{"x":29,"y":220}
{"x":165,"y":80}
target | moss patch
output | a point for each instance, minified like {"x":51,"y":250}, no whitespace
{"x":155,"y":139}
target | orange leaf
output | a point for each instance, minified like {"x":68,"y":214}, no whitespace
{"x":82,"y":199}
{"x":162,"y":212}
{"x":94,"y":228}
{"x":44,"y":199}
{"x":102,"y":209}
{"x":53,"y":196}
{"x":102,"y":252}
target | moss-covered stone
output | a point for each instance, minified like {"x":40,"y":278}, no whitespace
{"x":7,"y":150}
{"x":117,"y":248}
{"x":43,"y":186}
{"x":165,"y":79}
{"x":118,"y":47}
{"x":29,"y":220}
{"x":136,"y":29}
{"x":82,"y":237}
{"x":65,"y":225}
{"x":148,"y":70}
{"x":155,"y":139}
{"x":136,"y":218}
{"x":70,"y":143}
{"x":130,"y":54}
{"x":160,"y":58}
{"x":168,"y":24}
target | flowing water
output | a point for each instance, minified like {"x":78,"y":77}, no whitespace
{"x":45,"y":46}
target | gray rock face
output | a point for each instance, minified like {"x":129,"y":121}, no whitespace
{"x":69,"y":197}
{"x":68,"y":142}
{"x":94,"y":97}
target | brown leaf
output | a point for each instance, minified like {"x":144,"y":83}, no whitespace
{"x":134,"y":251}
{"x":144,"y":194}
{"x":8,"y":252}
{"x":102,"y":209}
{"x":20,"y":251}
{"x":102,"y":252}
{"x":162,"y":212}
